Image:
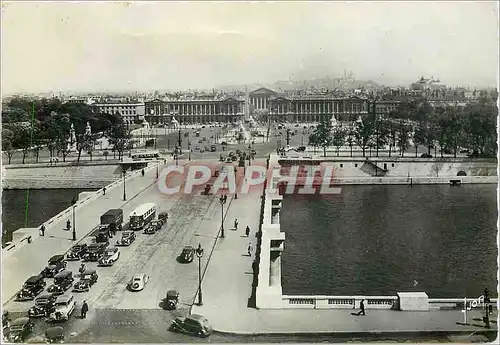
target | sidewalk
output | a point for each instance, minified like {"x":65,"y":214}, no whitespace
{"x":30,"y":259}
{"x":227,"y":287}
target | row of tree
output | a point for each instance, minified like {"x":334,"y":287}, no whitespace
{"x":29,"y":125}
{"x":471,"y":128}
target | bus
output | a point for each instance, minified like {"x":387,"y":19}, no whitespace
{"x":142,"y":215}
{"x":145,"y":155}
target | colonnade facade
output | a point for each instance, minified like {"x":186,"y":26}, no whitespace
{"x":316,"y":110}
{"x":190,"y":112}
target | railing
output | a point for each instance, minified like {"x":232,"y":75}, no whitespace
{"x":458,"y":303}
{"x":339,"y":302}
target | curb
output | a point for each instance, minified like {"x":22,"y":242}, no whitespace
{"x":361,"y":334}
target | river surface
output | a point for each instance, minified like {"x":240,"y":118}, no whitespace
{"x":22,"y":208}
{"x":380,"y":240}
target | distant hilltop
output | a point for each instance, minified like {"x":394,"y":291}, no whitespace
{"x":319,"y":83}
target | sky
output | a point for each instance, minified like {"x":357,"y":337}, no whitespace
{"x":148,"y":46}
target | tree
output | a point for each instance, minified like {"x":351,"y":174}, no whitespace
{"x":364,"y":130}
{"x":105,"y":153}
{"x":350,"y":140}
{"x":323,"y":133}
{"x":119,"y":137}
{"x":314,"y":141}
{"x":338,"y":138}
{"x":403,"y":138}
{"x":23,"y":140}
{"x":7,"y":138}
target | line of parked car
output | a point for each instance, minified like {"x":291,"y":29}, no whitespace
{"x":58,"y":306}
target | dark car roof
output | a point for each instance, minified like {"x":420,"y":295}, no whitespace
{"x":54,"y":332}
{"x":34,"y":279}
{"x":196,"y":317}
{"x":44,"y":296}
{"x":20,"y":321}
{"x":56,"y":258}
{"x":172,"y":293}
{"x":63,"y":274}
{"x":89,"y":271}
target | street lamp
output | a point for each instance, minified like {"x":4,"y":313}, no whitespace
{"x":124,"y":193}
{"x":74,"y":224}
{"x":222,"y":200}
{"x":199,"y":254}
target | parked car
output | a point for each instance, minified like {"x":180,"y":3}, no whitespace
{"x":138,"y":282}
{"x":213,"y":148}
{"x":187,"y":254}
{"x":31,"y":288}
{"x":163,"y":216}
{"x":20,"y":329}
{"x":56,"y":264}
{"x":65,"y":306}
{"x":62,"y":282}
{"x":96,"y":250}
{"x":77,"y":252}
{"x":194,"y":324}
{"x":111,"y":254}
{"x":87,"y":279}
{"x":44,"y":305}
{"x":151,"y":228}
{"x":54,"y":335}
{"x":425,"y":155}
{"x":127,"y":238}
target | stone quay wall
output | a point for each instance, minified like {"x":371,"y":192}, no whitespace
{"x":64,"y":175}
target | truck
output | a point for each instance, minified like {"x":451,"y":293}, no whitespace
{"x":113,"y":219}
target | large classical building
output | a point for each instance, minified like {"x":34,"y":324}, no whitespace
{"x":194,"y":109}
{"x":274,"y":106}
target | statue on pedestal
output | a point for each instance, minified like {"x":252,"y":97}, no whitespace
{"x":88,"y":130}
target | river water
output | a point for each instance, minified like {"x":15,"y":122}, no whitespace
{"x":41,"y":205}
{"x":379,"y":240}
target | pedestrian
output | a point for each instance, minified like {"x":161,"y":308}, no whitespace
{"x":247,"y":231}
{"x":249,"y":248}
{"x":42,"y":230}
{"x":103,"y":190}
{"x":85,"y":309}
{"x":236,"y":224}
{"x":68,"y":225}
{"x":142,"y":172}
{"x":362,"y":308}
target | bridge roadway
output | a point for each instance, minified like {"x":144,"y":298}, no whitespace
{"x":193,"y":219}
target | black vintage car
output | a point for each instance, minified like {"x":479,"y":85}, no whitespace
{"x":171,"y":300}
{"x":62,"y":282}
{"x":128,"y":237}
{"x":44,"y":305}
{"x":20,"y":329}
{"x":54,"y":335}
{"x":56,"y":264}
{"x":163,"y":216}
{"x":87,"y":279}
{"x":187,"y":254}
{"x":77,"y":252}
{"x":96,"y":250}
{"x":31,"y":288}
{"x":193,"y":324}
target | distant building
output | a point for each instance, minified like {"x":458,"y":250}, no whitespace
{"x":131,"y":111}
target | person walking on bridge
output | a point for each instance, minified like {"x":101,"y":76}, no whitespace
{"x":362,"y":308}
{"x":247,"y":231}
{"x":42,"y":230}
{"x":236,"y":224}
{"x":85,"y":309}
{"x":142,"y":172}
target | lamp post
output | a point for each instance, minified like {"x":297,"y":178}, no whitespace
{"x":124,"y":193}
{"x":74,"y":224}
{"x":222,"y":200}
{"x":199,"y":254}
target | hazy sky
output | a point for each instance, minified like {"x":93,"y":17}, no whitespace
{"x":147,"y":46}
